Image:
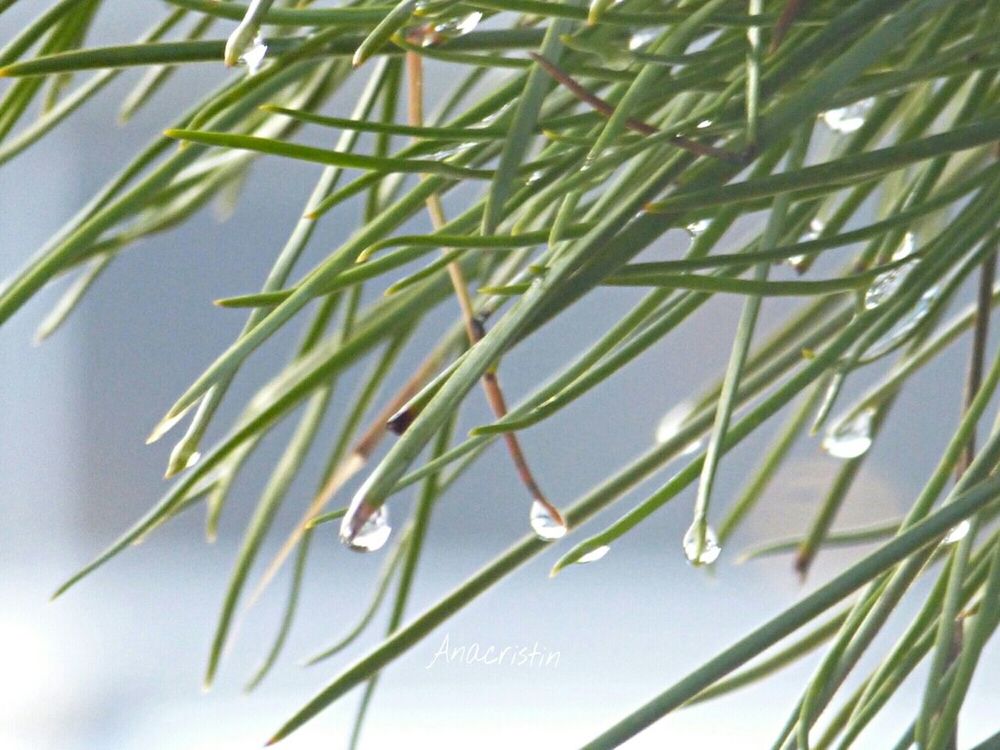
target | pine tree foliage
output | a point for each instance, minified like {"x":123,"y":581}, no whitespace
{"x":577,"y":136}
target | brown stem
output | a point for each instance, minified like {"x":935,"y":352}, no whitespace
{"x":785,"y":20}
{"x":638,"y":126}
{"x":980,"y":332}
{"x":473,"y":326}
{"x":973,"y":381}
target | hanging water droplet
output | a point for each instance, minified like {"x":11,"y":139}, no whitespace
{"x":906,"y":247}
{"x":697,"y":228}
{"x":372,"y":535}
{"x":882,"y":287}
{"x":816,"y":227}
{"x":547,"y":526}
{"x":253,"y":58}
{"x":453,"y":27}
{"x":850,"y":439}
{"x":672,"y":423}
{"x":957,"y":533}
{"x":641,"y":38}
{"x":888,"y":283}
{"x":904,"y":326}
{"x":848,"y":119}
{"x":710,"y":548}
{"x":704,"y":124}
{"x":594,"y":555}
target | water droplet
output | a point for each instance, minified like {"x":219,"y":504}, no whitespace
{"x":444,"y":153}
{"x":641,"y":38}
{"x":453,"y":27}
{"x":594,"y":555}
{"x":672,"y":423}
{"x":372,"y":535}
{"x":547,"y":526}
{"x":906,"y":247}
{"x":253,"y":58}
{"x":904,"y":326}
{"x":848,"y":119}
{"x":816,"y":227}
{"x":693,"y":447}
{"x":957,"y":533}
{"x":704,"y":124}
{"x":535,"y":176}
{"x":888,"y":283}
{"x":710,"y":548}
{"x":697,"y":228}
{"x":883,"y":286}
{"x":850,"y":439}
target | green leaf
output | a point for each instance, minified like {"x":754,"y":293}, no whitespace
{"x":710,"y":118}
{"x":391,"y":128}
{"x":839,"y":171}
{"x":517,"y":140}
{"x":325,"y":156}
{"x":919,"y":535}
{"x":210,"y":50}
{"x":392,"y":22}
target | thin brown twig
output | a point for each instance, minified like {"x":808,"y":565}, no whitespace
{"x":977,"y":357}
{"x":473,"y":325}
{"x":785,"y":20}
{"x":638,"y":126}
{"x":973,"y":382}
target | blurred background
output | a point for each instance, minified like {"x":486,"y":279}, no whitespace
{"x":117,"y":662}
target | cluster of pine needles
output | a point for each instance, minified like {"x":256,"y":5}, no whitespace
{"x":580,"y":136}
